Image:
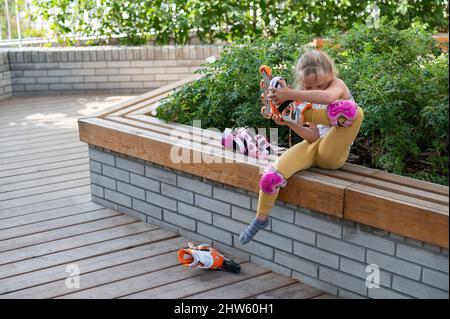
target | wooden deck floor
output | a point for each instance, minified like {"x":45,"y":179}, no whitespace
{"x":48,"y":222}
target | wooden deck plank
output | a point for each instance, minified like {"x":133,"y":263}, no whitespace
{"x":81,"y":173}
{"x":406,"y":190}
{"x":41,"y":150}
{"x":75,"y":166}
{"x":29,"y":128}
{"x":45,"y":205}
{"x":147,"y":96}
{"x":35,"y":117}
{"x":126,"y":287}
{"x":423,"y":221}
{"x":407,"y":181}
{"x":23,"y":172}
{"x":30,"y":135}
{"x":51,"y":224}
{"x":88,"y":251}
{"x":23,"y":106}
{"x":326,"y":296}
{"x":25,"y":192}
{"x":38,"y":147}
{"x":294,"y":291}
{"x":37,"y":141}
{"x":107,"y":229}
{"x":246,"y":288}
{"x":36,"y":219}
{"x":203,"y":282}
{"x":30,"y":103}
{"x":409,"y":200}
{"x":43,"y":197}
{"x":138,"y":105}
{"x":50,"y":112}
{"x":338,"y":174}
{"x":42,"y":112}
{"x":104,"y":276}
{"x":396,"y":179}
{"x":89,"y":265}
{"x":63,"y":154}
{"x":79,"y":101}
{"x":357,"y":169}
{"x":80,"y":224}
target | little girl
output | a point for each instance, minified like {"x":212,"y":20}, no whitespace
{"x":323,"y":146}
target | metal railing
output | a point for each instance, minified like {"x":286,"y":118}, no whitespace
{"x":13,"y":22}
{"x":10,"y":20}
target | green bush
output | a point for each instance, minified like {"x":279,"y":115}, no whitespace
{"x":399,"y":78}
{"x":229,"y":20}
{"x":229,"y":94}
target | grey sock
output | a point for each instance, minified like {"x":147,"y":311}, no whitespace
{"x":251,"y":230}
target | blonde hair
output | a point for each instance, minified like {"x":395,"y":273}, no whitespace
{"x":314,"y":62}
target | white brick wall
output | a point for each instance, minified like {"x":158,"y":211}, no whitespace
{"x":5,"y":76}
{"x":113,"y":69}
{"x":329,"y":253}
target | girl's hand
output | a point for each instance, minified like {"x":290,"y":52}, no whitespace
{"x":278,"y":96}
{"x":313,"y":127}
{"x":278,"y":120}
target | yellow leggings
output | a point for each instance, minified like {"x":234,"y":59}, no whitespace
{"x":329,"y":152}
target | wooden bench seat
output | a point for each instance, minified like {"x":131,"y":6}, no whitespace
{"x":397,"y":204}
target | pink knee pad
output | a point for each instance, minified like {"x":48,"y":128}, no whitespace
{"x":271,"y":181}
{"x":343,"y":108}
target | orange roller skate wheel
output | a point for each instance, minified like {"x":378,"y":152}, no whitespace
{"x":265,"y":69}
